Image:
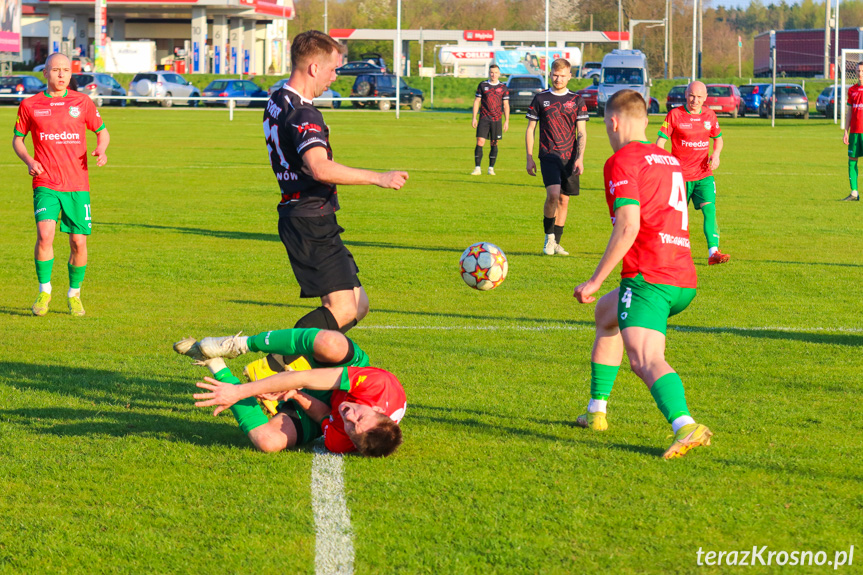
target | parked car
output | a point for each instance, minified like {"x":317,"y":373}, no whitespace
{"x":589,"y":96}
{"x":384,"y":86}
{"x":357,"y":68}
{"x":725,"y":99}
{"x":22,"y":85}
{"x":239,"y":90}
{"x":322,"y":101}
{"x":790,"y":100}
{"x":653,"y":107}
{"x":826,"y":101}
{"x":622,"y":70}
{"x":676,"y":97}
{"x":97,"y":86}
{"x":751,"y":94}
{"x":162,"y":85}
{"x":591,"y":69}
{"x":522,"y":89}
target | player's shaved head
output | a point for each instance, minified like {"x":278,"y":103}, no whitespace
{"x":626,"y":104}
{"x":560,"y":64}
{"x":310,"y":45}
{"x":53,"y":58}
{"x":696,"y":87}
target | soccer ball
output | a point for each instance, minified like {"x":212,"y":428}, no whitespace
{"x":483,"y":266}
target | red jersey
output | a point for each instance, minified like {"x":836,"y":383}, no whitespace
{"x":690,"y":136}
{"x":855,"y":100}
{"x":646,"y":174}
{"x":367,"y":386}
{"x":59,"y":126}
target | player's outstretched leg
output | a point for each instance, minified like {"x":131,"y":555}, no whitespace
{"x":711,"y":234}
{"x":854,"y":196}
{"x":604,"y":363}
{"x":228,"y":346}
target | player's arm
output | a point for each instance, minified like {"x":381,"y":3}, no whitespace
{"x":329,"y":172}
{"x":581,"y":137}
{"x":664,"y":132}
{"x":528,"y":144}
{"x":848,"y":112}
{"x":476,"y":104}
{"x":717,"y":149}
{"x":627,"y":223}
{"x":224,"y":395}
{"x":660,"y":141}
{"x":34,"y":168}
{"x":103,"y":138}
{"x":506,"y":115}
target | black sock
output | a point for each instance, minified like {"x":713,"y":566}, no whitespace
{"x":548,"y":225}
{"x":321,"y":318}
{"x":492,"y":156}
{"x":477,"y":155}
{"x":344,"y":329}
{"x":558,"y":232}
{"x":347,"y":358}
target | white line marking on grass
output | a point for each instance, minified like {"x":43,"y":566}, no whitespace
{"x":560,"y":327}
{"x":334,"y":547}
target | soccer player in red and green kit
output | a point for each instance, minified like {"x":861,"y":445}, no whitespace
{"x":853,"y":137}
{"x":58,"y":119}
{"x":690,"y":128}
{"x":646,"y":196}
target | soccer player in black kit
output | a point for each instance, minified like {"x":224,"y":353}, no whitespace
{"x":299,"y":149}
{"x":562,"y":117}
{"x":491,"y":103}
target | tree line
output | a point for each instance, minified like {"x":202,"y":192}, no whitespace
{"x":721,"y":26}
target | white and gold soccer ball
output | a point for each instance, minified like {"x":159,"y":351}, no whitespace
{"x":483,"y":266}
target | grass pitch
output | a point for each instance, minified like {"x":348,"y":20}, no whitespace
{"x":107,"y":466}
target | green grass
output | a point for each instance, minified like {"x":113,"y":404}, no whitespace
{"x":107,"y":466}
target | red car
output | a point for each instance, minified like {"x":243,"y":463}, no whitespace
{"x":589,"y":95}
{"x":725,"y":99}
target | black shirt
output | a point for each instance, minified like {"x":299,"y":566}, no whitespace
{"x":557,"y":115}
{"x":491,"y":99}
{"x":292,"y":126}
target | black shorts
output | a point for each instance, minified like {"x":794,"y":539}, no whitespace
{"x":556,"y":173}
{"x":489,"y":129}
{"x":321,"y":262}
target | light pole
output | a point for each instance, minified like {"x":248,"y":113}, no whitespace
{"x":634,"y":23}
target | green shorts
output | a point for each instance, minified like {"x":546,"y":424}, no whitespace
{"x":307,"y":428}
{"x":648,"y":305}
{"x":701,"y":191}
{"x":855,"y":145}
{"x":71,"y":208}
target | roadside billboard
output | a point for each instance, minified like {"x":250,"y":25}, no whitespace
{"x":10,"y":28}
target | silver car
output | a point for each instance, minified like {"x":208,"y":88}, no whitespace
{"x":98,"y":87}
{"x":163,"y":85}
{"x":826,"y":101}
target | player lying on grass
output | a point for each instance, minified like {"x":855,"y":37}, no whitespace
{"x":354,"y":406}
{"x":646,"y":197}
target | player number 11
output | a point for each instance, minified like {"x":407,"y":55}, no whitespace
{"x":677,"y":200}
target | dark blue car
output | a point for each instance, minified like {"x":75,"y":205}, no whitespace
{"x":751,"y":94}
{"x":239,"y":90}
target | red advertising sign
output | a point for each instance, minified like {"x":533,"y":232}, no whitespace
{"x":471,"y":55}
{"x":479,"y":35}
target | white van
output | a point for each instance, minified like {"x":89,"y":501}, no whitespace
{"x":621,"y":70}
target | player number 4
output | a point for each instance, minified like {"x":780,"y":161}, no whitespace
{"x":627,"y":298}
{"x":677,"y":200}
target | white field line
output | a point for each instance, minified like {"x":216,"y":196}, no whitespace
{"x":334,"y":547}
{"x":590,"y":328}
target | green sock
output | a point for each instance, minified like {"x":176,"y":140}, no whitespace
{"x":852,"y":173}
{"x":285,"y":341}
{"x":601,"y":380}
{"x":43,"y":270}
{"x":76,"y":275}
{"x":248,"y":413}
{"x":669,"y":396}
{"x":711,"y":228}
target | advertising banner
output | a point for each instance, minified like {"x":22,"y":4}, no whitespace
{"x":10,"y":28}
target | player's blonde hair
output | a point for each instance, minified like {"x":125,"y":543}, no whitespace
{"x":310,"y":45}
{"x":628,"y":103}
{"x":560,"y":64}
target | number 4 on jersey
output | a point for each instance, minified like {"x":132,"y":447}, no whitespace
{"x":677,"y":200}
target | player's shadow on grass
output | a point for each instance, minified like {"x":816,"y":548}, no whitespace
{"x":17,"y":311}
{"x":222,"y":234}
{"x":848,"y":339}
{"x":551,"y":321}
{"x":98,"y":386}
{"x":118,"y":422}
{"x":844,"y":265}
